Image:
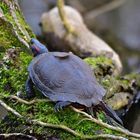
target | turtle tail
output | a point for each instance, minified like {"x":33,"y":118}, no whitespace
{"x":107,"y":110}
{"x":110,"y":112}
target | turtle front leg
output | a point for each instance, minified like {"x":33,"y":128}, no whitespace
{"x":60,"y":105}
{"x":29,"y":88}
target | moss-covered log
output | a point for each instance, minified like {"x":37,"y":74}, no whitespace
{"x":13,"y":27}
{"x":67,"y":124}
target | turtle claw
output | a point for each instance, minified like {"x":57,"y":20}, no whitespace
{"x":60,"y":105}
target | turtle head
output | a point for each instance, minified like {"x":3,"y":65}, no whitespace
{"x":37,"y":47}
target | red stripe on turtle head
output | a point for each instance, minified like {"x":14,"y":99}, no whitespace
{"x":37,"y":49}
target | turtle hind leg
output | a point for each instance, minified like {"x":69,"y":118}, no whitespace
{"x":110,"y":112}
{"x":60,"y":105}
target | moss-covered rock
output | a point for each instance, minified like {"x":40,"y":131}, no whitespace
{"x":101,"y":66}
{"x":120,"y":89}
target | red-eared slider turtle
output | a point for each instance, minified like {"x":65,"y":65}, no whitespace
{"x":64,"y":78}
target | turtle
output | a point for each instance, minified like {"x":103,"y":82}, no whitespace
{"x":65,"y":79}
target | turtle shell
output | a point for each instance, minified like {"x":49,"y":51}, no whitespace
{"x":65,"y":77}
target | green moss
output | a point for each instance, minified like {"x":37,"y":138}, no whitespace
{"x":101,"y":65}
{"x":95,"y":61}
{"x":4,"y":7}
{"x":7,"y":15}
{"x":103,"y":69}
{"x":116,"y":84}
{"x":45,"y":112}
{"x":13,"y":75}
{"x":26,"y":27}
{"x":19,"y":24}
{"x":135,"y":77}
{"x":7,"y":37}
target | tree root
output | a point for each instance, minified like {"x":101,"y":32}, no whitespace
{"x":17,"y":134}
{"x":62,"y":127}
{"x":28,"y":102}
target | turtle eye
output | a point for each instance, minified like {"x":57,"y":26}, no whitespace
{"x":31,"y":42}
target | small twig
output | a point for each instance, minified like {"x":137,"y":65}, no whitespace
{"x":65,"y":128}
{"x":103,"y":9}
{"x":118,"y":129}
{"x":28,"y":102}
{"x":17,"y":134}
{"x":67,"y":26}
{"x":85,"y":119}
{"x":9,"y":109}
